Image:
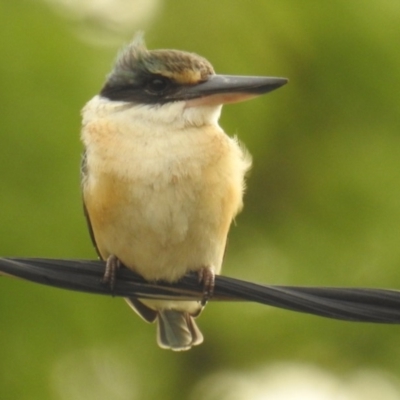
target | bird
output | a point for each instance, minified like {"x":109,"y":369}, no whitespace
{"x":161,"y":181}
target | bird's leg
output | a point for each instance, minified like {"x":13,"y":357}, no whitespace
{"x":207,"y":276}
{"x":112,"y":266}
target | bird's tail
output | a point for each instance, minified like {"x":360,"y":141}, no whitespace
{"x":177,"y":330}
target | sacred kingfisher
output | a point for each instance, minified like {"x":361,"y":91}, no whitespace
{"x":161,"y":180}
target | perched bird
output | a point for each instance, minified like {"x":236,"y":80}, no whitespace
{"x":161,"y":180}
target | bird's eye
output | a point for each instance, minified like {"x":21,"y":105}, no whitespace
{"x":157,"y":85}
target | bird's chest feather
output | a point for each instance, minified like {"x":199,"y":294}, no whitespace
{"x":150,"y":183}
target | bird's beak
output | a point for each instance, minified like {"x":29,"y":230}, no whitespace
{"x":222,"y":89}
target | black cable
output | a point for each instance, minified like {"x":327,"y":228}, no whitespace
{"x":351,"y":304}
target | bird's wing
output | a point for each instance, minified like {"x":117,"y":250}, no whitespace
{"x":85,"y":211}
{"x":91,"y":233}
{"x":147,"y":313}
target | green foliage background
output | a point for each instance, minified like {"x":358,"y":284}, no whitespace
{"x":322,"y":206}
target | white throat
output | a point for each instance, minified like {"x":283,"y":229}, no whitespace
{"x":174,"y":115}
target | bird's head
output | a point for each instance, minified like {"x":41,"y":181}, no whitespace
{"x":177,"y":84}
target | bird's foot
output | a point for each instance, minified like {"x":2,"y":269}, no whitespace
{"x":207,"y":276}
{"x":110,"y":274}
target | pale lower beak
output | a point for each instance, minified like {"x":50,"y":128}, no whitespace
{"x":222,"y":89}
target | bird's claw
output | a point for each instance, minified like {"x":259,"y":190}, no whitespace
{"x":110,"y":273}
{"x":207,"y":276}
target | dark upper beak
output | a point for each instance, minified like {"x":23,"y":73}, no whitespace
{"x":221,"y":89}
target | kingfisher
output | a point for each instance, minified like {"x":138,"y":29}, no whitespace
{"x":161,"y":181}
